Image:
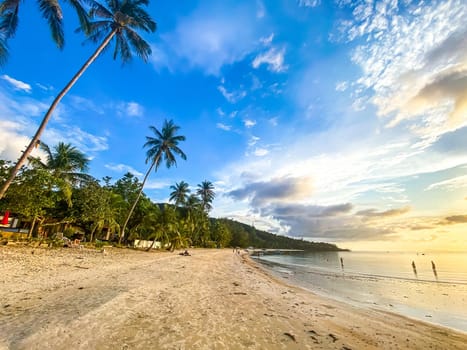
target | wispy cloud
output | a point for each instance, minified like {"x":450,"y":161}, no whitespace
{"x":123,"y":168}
{"x":260,"y":152}
{"x":414,"y":70}
{"x":273,"y":59}
{"x":233,"y":96}
{"x":309,"y":3}
{"x":249,"y":123}
{"x":17,"y":84}
{"x":224,"y":126}
{"x":130,"y":109}
{"x":374,"y":213}
{"x":450,"y":184}
{"x":213,"y":36}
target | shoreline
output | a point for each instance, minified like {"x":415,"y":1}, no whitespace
{"x":122,"y":299}
{"x":422,"y":300}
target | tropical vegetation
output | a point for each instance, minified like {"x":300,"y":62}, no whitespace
{"x":97,"y":209}
{"x":161,"y":148}
{"x":118,"y":21}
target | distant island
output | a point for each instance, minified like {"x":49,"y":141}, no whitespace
{"x":244,"y":236}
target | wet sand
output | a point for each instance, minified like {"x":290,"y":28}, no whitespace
{"x":213,"y":299}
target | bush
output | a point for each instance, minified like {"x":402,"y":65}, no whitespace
{"x":99,"y":244}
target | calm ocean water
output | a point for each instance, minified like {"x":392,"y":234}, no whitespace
{"x":384,"y":280}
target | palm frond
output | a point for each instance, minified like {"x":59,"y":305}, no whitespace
{"x":122,"y":48}
{"x":3,"y":51}
{"x":9,"y":19}
{"x":52,"y":12}
{"x":141,"y":47}
{"x":81,"y":13}
{"x":97,"y":31}
{"x":98,"y":10}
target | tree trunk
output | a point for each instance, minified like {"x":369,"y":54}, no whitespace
{"x":36,"y":139}
{"x":136,"y":201}
{"x":152,"y":245}
{"x":32,"y":227}
{"x":92,"y":233}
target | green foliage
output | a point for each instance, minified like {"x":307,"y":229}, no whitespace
{"x":180,"y":193}
{"x":245,"y":236}
{"x":30,"y":195}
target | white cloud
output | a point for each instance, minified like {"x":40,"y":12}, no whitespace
{"x":261,"y":10}
{"x":274,"y":121}
{"x":309,"y":3}
{"x":17,"y":84}
{"x":233,"y":96}
{"x":260,"y":152}
{"x":267,"y":40}
{"x":159,"y":57}
{"x":414,"y":62}
{"x":273,"y":58}
{"x":342,"y":86}
{"x":130,"y":109}
{"x":249,"y":123}
{"x":83,"y":140}
{"x":123,"y":168}
{"x":220,"y":112}
{"x":134,"y":109}
{"x":253,"y":141}
{"x":212,"y":36}
{"x":451,"y":184}
{"x":223,"y":126}
{"x":13,"y":142}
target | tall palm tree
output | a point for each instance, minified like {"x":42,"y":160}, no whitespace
{"x":180,"y":193}
{"x":163,"y":147}
{"x":206,"y":193}
{"x":66,"y":164}
{"x":51,"y":11}
{"x":119,"y":21}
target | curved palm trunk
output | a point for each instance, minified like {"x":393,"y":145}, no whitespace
{"x":136,"y":201}
{"x":35,"y":140}
{"x":152,"y":245}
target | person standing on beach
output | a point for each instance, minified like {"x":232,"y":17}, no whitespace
{"x":342,"y":263}
{"x":433,"y":267}
{"x":414,"y":269}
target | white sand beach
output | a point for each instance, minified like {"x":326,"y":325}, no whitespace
{"x":213,"y":299}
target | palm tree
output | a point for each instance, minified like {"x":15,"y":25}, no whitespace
{"x":119,"y":21}
{"x":163,"y":147}
{"x":180,"y":193}
{"x":51,"y":11}
{"x":206,"y":193}
{"x":66,"y":164}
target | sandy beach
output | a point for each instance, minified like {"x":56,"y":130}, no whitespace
{"x":214,"y":299}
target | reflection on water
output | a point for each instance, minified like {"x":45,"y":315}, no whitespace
{"x":436,"y":294}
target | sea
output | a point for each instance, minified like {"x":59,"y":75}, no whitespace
{"x":427,"y":286}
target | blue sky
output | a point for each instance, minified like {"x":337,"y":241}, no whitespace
{"x":340,"y":121}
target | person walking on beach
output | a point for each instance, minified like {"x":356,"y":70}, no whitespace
{"x":433,"y":267}
{"x":342,"y":263}
{"x":414,"y":269}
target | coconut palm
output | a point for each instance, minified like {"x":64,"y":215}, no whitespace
{"x":66,"y":164}
{"x":161,"y":148}
{"x":119,"y":20}
{"x":180,"y":193}
{"x":206,"y":193}
{"x":51,"y":11}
